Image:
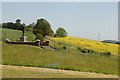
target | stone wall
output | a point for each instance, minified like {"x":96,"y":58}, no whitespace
{"x":37,"y":42}
{"x":29,"y":43}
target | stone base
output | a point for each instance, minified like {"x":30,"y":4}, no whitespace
{"x":23,"y":38}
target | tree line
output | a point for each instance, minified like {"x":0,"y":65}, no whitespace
{"x":41,"y":28}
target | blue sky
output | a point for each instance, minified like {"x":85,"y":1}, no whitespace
{"x":80,"y":19}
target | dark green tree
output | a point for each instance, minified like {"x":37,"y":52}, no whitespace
{"x":4,"y":25}
{"x":61,"y":32}
{"x":18,"y":25}
{"x":44,"y":27}
{"x":38,"y":31}
{"x":30,"y":27}
{"x":18,"y":21}
{"x":9,"y":25}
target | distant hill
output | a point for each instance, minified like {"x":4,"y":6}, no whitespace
{"x":111,"y":41}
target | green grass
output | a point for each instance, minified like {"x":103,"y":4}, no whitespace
{"x":28,"y":55}
{"x":60,"y":45}
{"x":14,"y":35}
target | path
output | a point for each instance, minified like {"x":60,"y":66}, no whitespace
{"x":47,"y":47}
{"x":35,"y":72}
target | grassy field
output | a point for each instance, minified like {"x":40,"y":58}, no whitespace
{"x":27,"y":55}
{"x":14,"y":35}
{"x":72,"y":43}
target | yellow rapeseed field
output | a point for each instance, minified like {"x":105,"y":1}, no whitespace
{"x":89,"y":44}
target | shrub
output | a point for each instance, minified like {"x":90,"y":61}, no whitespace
{"x":78,"y":48}
{"x":83,"y":51}
{"x":64,"y":47}
{"x":59,"y":43}
{"x":55,"y":35}
{"x":102,"y":53}
{"x":40,"y":37}
{"x":105,"y":54}
{"x":108,"y":53}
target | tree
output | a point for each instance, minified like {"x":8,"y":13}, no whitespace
{"x":9,"y":25}
{"x":61,"y":32}
{"x":29,"y":27}
{"x":40,"y":37}
{"x":18,"y":21}
{"x":37,"y":31}
{"x":43,"y":26}
{"x":18,"y":25}
{"x":4,"y":25}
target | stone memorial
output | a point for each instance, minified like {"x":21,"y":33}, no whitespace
{"x":23,"y":38}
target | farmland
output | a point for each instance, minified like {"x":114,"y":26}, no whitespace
{"x":72,"y":43}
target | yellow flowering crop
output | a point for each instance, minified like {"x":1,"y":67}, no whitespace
{"x":89,"y":44}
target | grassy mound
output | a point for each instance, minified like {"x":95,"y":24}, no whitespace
{"x":14,"y":35}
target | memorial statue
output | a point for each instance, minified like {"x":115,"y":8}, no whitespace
{"x":23,"y":38}
{"x":23,"y":29}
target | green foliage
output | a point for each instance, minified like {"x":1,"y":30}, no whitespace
{"x":64,"y":47}
{"x":93,"y":52}
{"x":37,"y":31}
{"x":28,"y":55}
{"x":11,"y":25}
{"x":82,"y":50}
{"x":108,"y":53}
{"x":18,"y":21}
{"x":61,"y":32}
{"x":40,"y":37}
{"x":44,"y":26}
{"x":30,"y":27}
{"x":18,"y":26}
